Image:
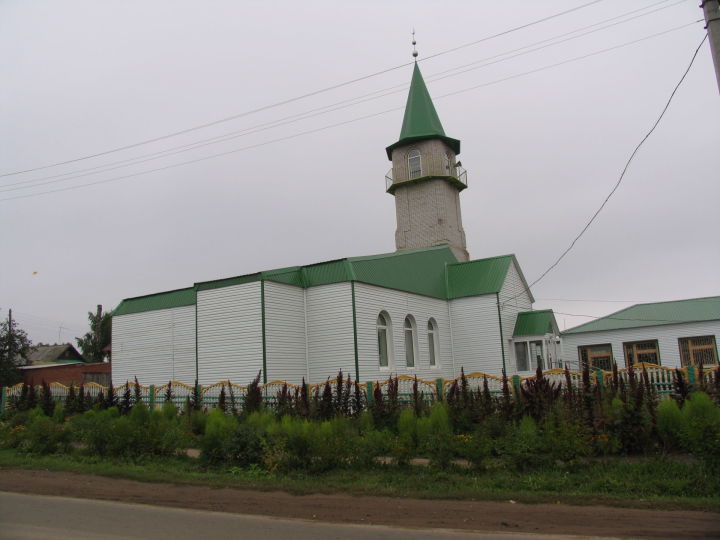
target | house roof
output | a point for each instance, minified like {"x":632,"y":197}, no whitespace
{"x":432,"y":271}
{"x":655,"y":314}
{"x":59,"y":353}
{"x":421,"y":120}
{"x":535,"y":323}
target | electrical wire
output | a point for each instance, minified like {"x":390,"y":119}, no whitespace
{"x":298,"y":98}
{"x":338,"y":124}
{"x":527,"y":49}
{"x":622,"y":174}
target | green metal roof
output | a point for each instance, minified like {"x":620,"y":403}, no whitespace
{"x":432,"y":271}
{"x":421,"y":120}
{"x":655,"y":314}
{"x":484,"y":276}
{"x":151,"y":302}
{"x":534,"y":323}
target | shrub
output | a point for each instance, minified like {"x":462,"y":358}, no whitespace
{"x":522,"y":447}
{"x":43,"y":436}
{"x":435,"y":435}
{"x":244,"y":445}
{"x":564,"y":437}
{"x":700,"y":432}
{"x":405,"y":446}
{"x":669,"y":424}
{"x":219,"y":430}
{"x":630,"y":425}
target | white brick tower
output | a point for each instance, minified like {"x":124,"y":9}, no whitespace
{"x":426,"y":178}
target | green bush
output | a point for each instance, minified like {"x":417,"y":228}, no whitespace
{"x":244,"y":445}
{"x":522,"y":447}
{"x":700,"y":432}
{"x":631,"y":427}
{"x":435,"y":435}
{"x":405,"y":445}
{"x":669,"y":424}
{"x":219,"y":430}
{"x":565,"y":438}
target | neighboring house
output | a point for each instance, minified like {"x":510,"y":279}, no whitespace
{"x":52,"y":354}
{"x":64,"y":364}
{"x":672,"y":334}
{"x":425,"y":310}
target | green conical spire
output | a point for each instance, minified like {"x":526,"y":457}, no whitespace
{"x":421,"y":120}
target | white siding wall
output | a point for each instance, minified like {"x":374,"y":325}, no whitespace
{"x":285,"y":332}
{"x":370,"y":301}
{"x":666,"y":335}
{"x":330,"y":331}
{"x":229,"y":333}
{"x":476,"y":334}
{"x":154,"y":346}
{"x":514,"y":298}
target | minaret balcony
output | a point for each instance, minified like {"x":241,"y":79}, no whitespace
{"x":456,"y":176}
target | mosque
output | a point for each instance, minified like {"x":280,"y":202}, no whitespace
{"x":426,"y":309}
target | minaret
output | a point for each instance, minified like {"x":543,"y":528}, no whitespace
{"x":426,"y":179}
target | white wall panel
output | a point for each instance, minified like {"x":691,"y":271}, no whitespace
{"x":285,"y":332}
{"x":154,"y":346}
{"x":476,"y":334}
{"x":514,"y":298}
{"x":330,"y":331}
{"x":370,"y":301}
{"x":666,"y":335}
{"x":229,"y":333}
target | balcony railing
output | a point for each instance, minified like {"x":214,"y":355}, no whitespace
{"x":458,"y":173}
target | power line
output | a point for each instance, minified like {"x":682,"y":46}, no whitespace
{"x":64,"y":177}
{"x":300,"y":97}
{"x":338,"y":124}
{"x":622,"y":174}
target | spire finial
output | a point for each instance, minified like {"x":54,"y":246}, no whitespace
{"x":414,"y":53}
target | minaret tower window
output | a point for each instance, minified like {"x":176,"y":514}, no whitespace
{"x":414,"y":164}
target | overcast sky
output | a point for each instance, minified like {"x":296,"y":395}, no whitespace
{"x":542,"y":149}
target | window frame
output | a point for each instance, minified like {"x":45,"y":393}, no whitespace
{"x":689,"y":359}
{"x":582,"y":362}
{"x":433,"y":343}
{"x":386,"y":328}
{"x":410,"y":326}
{"x":637,"y":352}
{"x":412,"y":154}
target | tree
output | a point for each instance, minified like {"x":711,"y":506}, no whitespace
{"x":99,"y":336}
{"x":15,"y":346}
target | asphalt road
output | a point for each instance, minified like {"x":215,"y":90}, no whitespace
{"x":24,"y":517}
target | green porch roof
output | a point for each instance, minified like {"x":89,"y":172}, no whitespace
{"x":421,"y":120}
{"x":432,"y":271}
{"x":655,"y":314}
{"x":535,"y":323}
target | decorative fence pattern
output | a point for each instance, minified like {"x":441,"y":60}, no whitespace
{"x":661,"y":378}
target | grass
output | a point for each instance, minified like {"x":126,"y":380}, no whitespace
{"x":658,"y":483}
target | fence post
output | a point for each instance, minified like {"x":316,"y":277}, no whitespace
{"x":3,"y":398}
{"x":691,"y":377}
{"x":440,"y":388}
{"x":151,"y":397}
{"x":516,"y":385}
{"x":600,"y":379}
{"x":370,"y":393}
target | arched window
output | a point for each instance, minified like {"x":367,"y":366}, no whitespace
{"x":410,"y":341}
{"x":433,"y":352}
{"x":383,"y":335}
{"x":414,"y":164}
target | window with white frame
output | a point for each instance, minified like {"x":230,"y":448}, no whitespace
{"x":383,"y":336}
{"x":414,"y":164}
{"x":433,"y":347}
{"x":529,"y":355}
{"x":410,"y":341}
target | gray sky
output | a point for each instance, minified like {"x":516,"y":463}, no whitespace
{"x":542,"y":149}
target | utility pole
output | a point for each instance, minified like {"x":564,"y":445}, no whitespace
{"x":711,"y":8}
{"x":10,"y":337}
{"x":98,"y":325}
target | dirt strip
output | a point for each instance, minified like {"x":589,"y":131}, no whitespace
{"x":339,"y":508}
